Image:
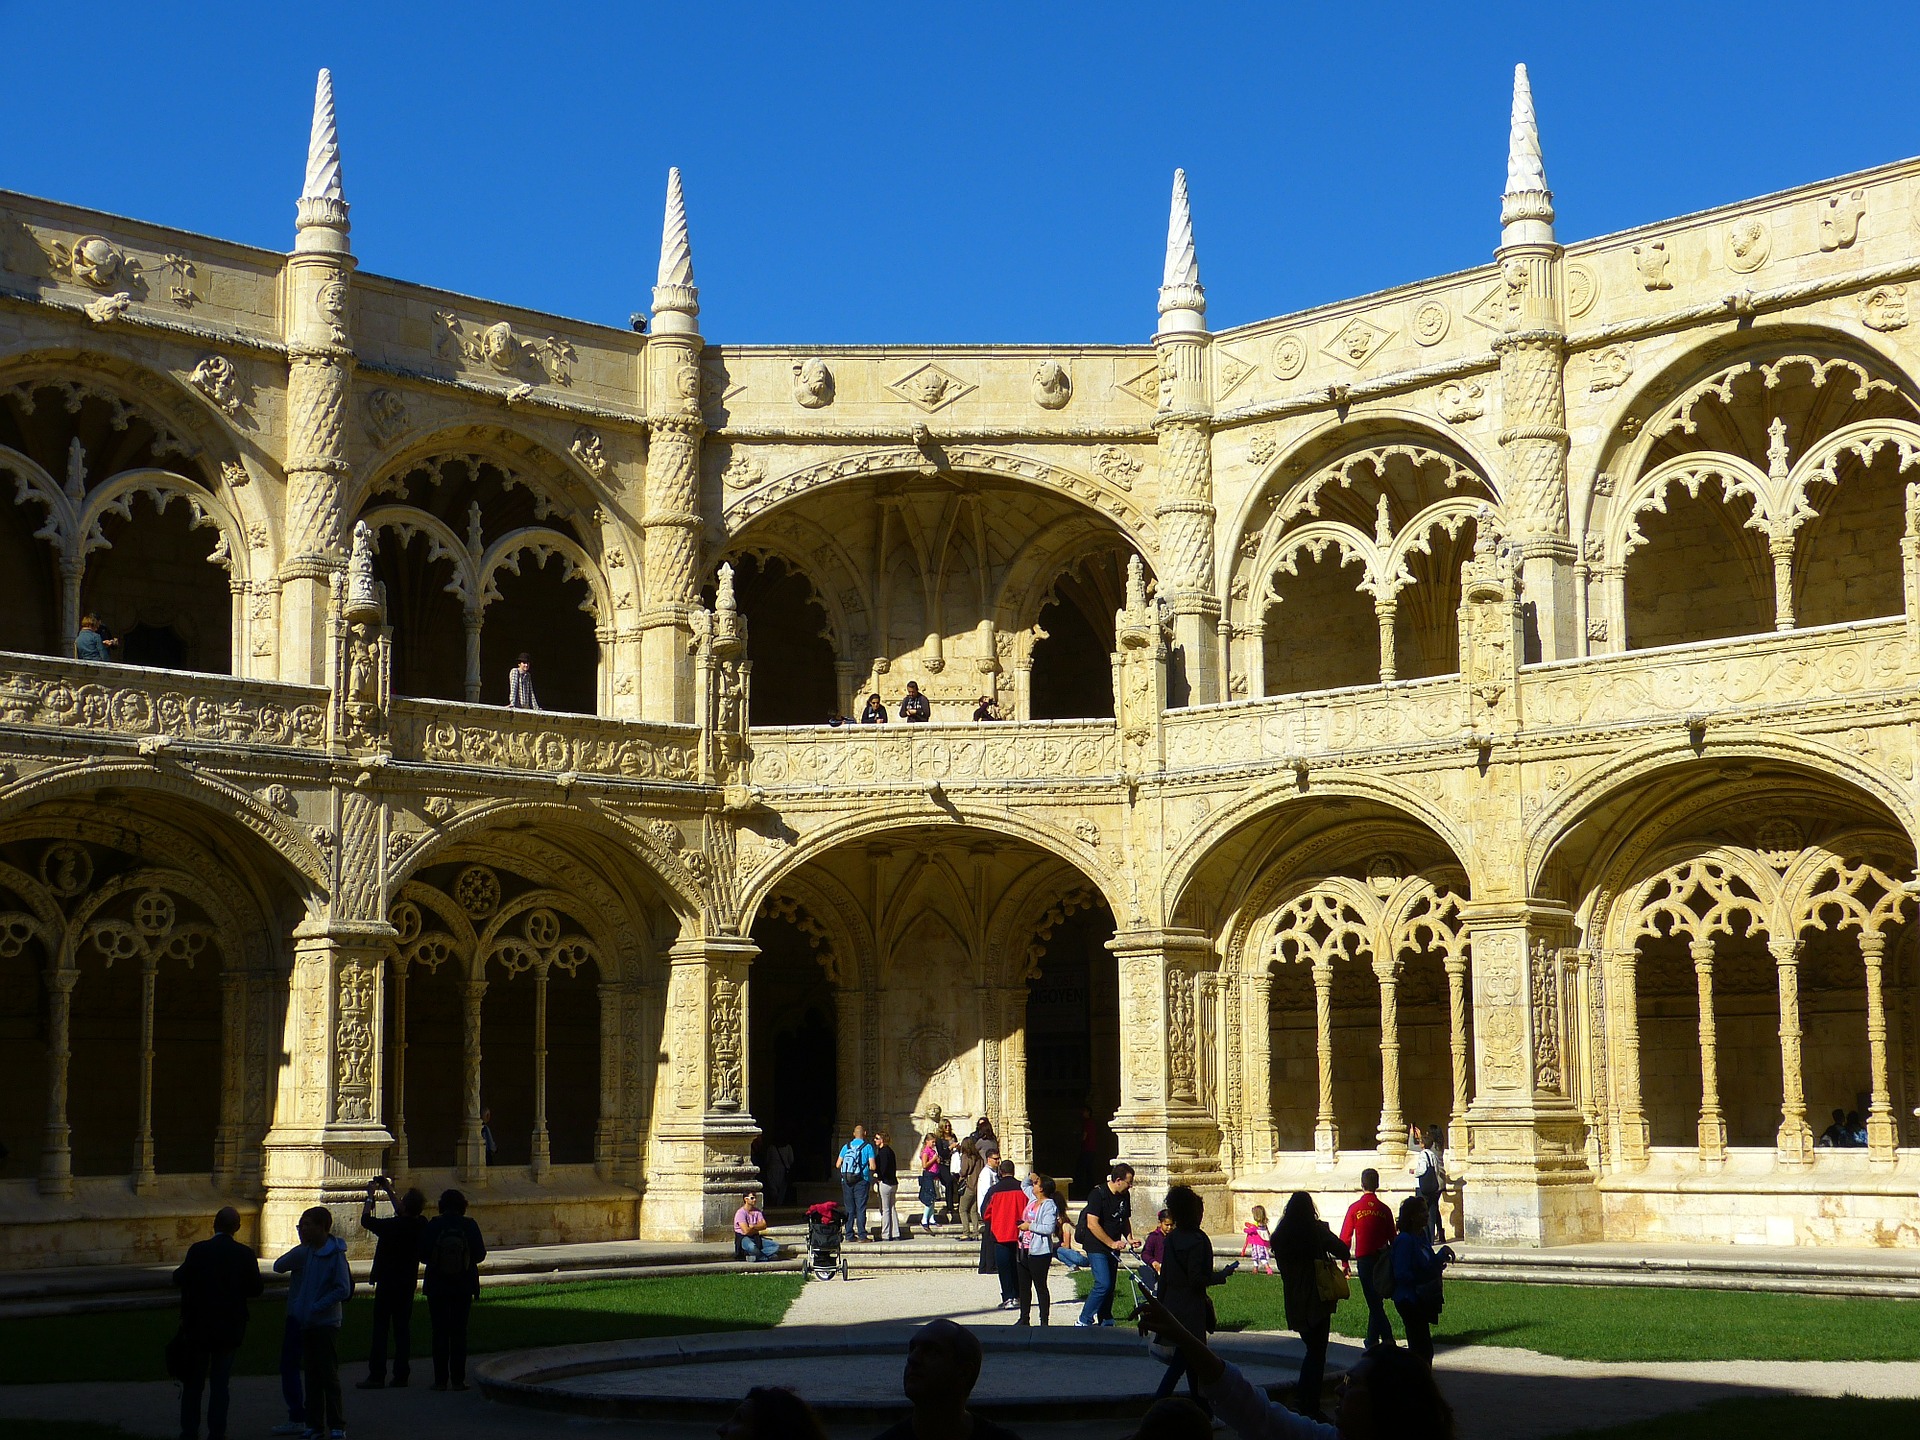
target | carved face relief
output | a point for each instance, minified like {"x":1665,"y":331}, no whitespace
{"x":812,"y":383}
{"x":498,"y":347}
{"x":1052,"y":387}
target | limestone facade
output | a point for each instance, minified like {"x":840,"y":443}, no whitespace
{"x":1485,"y":703}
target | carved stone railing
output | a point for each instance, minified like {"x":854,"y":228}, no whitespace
{"x":1721,"y":678}
{"x":1373,"y":717}
{"x":105,"y":699}
{"x":440,"y":732}
{"x":860,"y":757}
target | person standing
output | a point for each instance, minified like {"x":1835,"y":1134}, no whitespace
{"x":452,"y":1248}
{"x":92,"y":643}
{"x":1257,"y":1244}
{"x":316,"y":1300}
{"x":750,"y":1236}
{"x":886,"y":1185}
{"x":914,"y":707}
{"x":1186,"y":1274}
{"x":1417,"y":1269}
{"x":949,"y":1169}
{"x":1039,"y":1235}
{"x":987,"y":710}
{"x":1000,"y":1215}
{"x":967,"y":1188}
{"x":520,"y":694}
{"x":1105,"y":1231}
{"x":489,"y":1146}
{"x":1300,"y":1242}
{"x":1086,"y":1168}
{"x":1367,"y":1232}
{"x":873,"y":713}
{"x":1153,"y":1249}
{"x":856,"y":1178}
{"x":396,"y":1270}
{"x":1424,"y":1166}
{"x":983,"y":1186}
{"x":215,"y":1281}
{"x":932,"y":1184}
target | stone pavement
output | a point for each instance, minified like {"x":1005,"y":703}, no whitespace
{"x":1499,"y":1393}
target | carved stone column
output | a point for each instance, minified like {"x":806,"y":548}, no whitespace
{"x":1529,"y":1181}
{"x":1456,"y":967}
{"x":327,"y":1139}
{"x":1163,"y":1127}
{"x":1780,"y":547}
{"x":699,"y":1159}
{"x":399,"y":1158}
{"x":542,"y":1150}
{"x":471,"y":1160}
{"x":56,"y":1150}
{"x":1140,"y":677}
{"x":1713,"y":1126}
{"x":1390,"y":1139}
{"x":144,"y":1177}
{"x":1256,"y":1007}
{"x":1016,"y":1133}
{"x":1883,"y":1133}
{"x":230,"y":1139}
{"x":1384,"y":612}
{"x":1326,"y":1132}
{"x":1796,"y":1136}
{"x":1634,"y":1134}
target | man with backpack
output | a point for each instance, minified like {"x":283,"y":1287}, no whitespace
{"x":316,"y":1301}
{"x":396,"y":1267}
{"x":1368,"y":1232}
{"x":856,"y":1179}
{"x":1424,"y":1165}
{"x":453,"y":1249}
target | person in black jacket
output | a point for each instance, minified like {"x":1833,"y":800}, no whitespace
{"x":215,"y":1281}
{"x":396,"y":1268}
{"x":452,"y":1250}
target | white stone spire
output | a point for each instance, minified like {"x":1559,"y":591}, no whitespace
{"x":1183,"y":302}
{"x":1526,"y":206}
{"x":676,"y":299}
{"x":323,"y":200}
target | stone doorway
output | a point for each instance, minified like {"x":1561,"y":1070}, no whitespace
{"x":793,"y":1035}
{"x":1073,"y":1050}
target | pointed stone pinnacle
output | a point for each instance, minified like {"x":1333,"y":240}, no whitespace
{"x":323,"y":202}
{"x":1181,"y":295}
{"x":674,"y":291}
{"x":1526,"y":206}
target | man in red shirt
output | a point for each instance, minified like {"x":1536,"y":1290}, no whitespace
{"x":1000,"y":1215}
{"x":1367,"y":1232}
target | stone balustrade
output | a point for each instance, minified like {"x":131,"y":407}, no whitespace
{"x":1039,"y":752}
{"x":107,"y":700}
{"x":440,"y":732}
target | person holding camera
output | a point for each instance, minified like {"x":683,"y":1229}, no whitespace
{"x":396,"y":1269}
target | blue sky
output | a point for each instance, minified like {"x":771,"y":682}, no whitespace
{"x":920,"y":174}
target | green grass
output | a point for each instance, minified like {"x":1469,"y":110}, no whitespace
{"x":1581,"y":1322}
{"x":1746,"y":1418}
{"x":129,"y":1345}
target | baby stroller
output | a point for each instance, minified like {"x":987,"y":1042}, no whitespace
{"x":826,"y":1225}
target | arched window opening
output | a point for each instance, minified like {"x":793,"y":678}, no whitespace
{"x":429,"y":629}
{"x":1323,"y":633}
{"x":1426,"y":622}
{"x":1847,"y":563}
{"x":1294,"y":1072}
{"x":1073,"y":659}
{"x":1701,"y":575}
{"x":159,"y":590}
{"x":1073,"y":1049}
{"x":793,"y":1048}
{"x":539,"y":614}
{"x":23,"y":1038}
{"x":29,"y":583}
{"x":794,"y":681}
{"x":435,"y":1053}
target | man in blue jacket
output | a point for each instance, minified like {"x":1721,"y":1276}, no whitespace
{"x":316,"y":1302}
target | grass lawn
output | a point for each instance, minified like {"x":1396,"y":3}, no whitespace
{"x":1582,"y":1322}
{"x":129,"y":1345}
{"x":1775,"y":1415}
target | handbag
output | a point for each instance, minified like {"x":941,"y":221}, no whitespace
{"x":179,"y":1355}
{"x":1330,"y":1280}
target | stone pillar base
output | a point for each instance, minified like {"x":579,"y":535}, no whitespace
{"x":1166,"y":1150}
{"x":324,"y":1167}
{"x":695,"y":1178}
{"x":1527,"y":1181}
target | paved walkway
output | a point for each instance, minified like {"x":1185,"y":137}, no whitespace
{"x":1500,"y":1394}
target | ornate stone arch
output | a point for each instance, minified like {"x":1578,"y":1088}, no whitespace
{"x":826,"y":567}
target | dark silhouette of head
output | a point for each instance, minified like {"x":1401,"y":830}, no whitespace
{"x":227,"y":1221}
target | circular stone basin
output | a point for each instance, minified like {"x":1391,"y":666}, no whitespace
{"x":853,"y":1373}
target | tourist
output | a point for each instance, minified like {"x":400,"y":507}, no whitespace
{"x":1256,"y":1242}
{"x":967,"y":1186}
{"x":520,"y":694}
{"x":452,"y":1249}
{"x":835,"y":720}
{"x":1367,"y":1232}
{"x":215,"y":1281}
{"x":1039,"y":1234}
{"x":750,"y":1238}
{"x":396,"y":1270}
{"x":772,"y":1413}
{"x":1000,"y":1216}
{"x":1086,"y":1168}
{"x":987,"y":709}
{"x":856,"y":1178}
{"x":1424,"y":1166}
{"x":983,"y":1134}
{"x":875,"y":713}
{"x":914,"y":708}
{"x":943,"y":1365}
{"x":1153,"y":1250}
{"x":1105,"y":1229}
{"x":1416,"y":1268}
{"x":983,"y":1186}
{"x":316,"y":1299}
{"x":1835,"y":1135}
{"x":950,"y":1166}
{"x":932,"y":1183}
{"x":1389,"y":1395}
{"x":886,"y":1185}
{"x":489,"y":1147}
{"x":92,"y":643}
{"x":1186,"y":1274}
{"x":1856,"y":1131}
{"x":1301,"y":1243}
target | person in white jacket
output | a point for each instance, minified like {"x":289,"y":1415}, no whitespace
{"x":1389,"y":1395}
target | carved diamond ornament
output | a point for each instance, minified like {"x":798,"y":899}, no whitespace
{"x":1358,"y":342}
{"x":930,"y":387}
{"x":1144,"y":387}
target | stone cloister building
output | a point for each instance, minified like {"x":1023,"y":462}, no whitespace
{"x":1487,"y":703}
